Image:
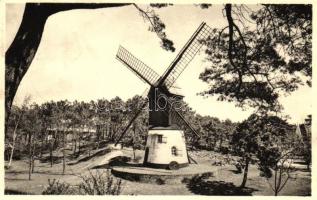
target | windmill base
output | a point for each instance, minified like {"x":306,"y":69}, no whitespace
{"x":163,"y":166}
{"x":162,"y":176}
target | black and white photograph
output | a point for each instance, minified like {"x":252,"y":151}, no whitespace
{"x":176,"y":98}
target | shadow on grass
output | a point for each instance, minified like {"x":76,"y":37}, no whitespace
{"x":86,"y":158}
{"x":199,"y":185}
{"x":38,"y":172}
{"x":17,"y":172}
{"x":16,"y":179}
{"x":235,"y":171}
{"x":55,"y":159}
{"x":118,"y":161}
{"x":14,"y":192}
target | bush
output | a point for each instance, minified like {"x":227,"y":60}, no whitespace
{"x":57,"y":188}
{"x":100,"y":184}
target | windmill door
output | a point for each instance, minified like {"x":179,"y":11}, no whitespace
{"x":146,"y":155}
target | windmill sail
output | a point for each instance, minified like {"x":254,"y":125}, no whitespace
{"x":131,"y":121}
{"x":144,"y":72}
{"x":179,"y":119}
{"x":186,"y":55}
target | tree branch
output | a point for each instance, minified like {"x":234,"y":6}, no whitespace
{"x":22,"y":50}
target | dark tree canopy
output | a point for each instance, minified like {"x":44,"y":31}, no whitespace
{"x":257,"y":58}
{"x":263,"y":137}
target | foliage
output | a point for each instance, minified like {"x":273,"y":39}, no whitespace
{"x":93,"y":184}
{"x":100,"y":184}
{"x":257,"y":58}
{"x":215,"y":133}
{"x":48,"y":121}
{"x":291,"y":27}
{"x":261,"y":139}
{"x":139,"y":126}
{"x":278,"y":167}
{"x":58,"y":188}
{"x":157,"y":25}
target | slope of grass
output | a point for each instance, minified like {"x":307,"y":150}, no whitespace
{"x":225,"y":181}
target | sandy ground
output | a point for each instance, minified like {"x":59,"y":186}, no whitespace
{"x":224,"y":182}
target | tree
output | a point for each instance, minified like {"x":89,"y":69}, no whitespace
{"x":136,"y":137}
{"x":16,"y":119}
{"x":275,"y":164}
{"x":228,"y":129}
{"x":32,"y":126}
{"x":213,"y":131}
{"x":103,"y":119}
{"x":62,"y":112}
{"x":276,"y":157}
{"x":117,"y":117}
{"x":50,"y":123}
{"x":257,"y":58}
{"x":256,"y":135}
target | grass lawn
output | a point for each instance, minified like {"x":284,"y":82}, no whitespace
{"x":224,"y":182}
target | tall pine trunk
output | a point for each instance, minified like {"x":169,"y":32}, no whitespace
{"x":33,"y":157}
{"x":13,"y":145}
{"x":220,"y":143}
{"x":245,"y":174}
{"x":64,"y":158}
{"x":30,"y":155}
{"x":75,"y":142}
{"x":133,"y":141}
{"x":51,"y":153}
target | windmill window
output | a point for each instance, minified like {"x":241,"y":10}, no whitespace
{"x":161,"y":139}
{"x":174,"y":151}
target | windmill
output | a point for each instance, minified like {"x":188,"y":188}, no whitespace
{"x":165,"y":145}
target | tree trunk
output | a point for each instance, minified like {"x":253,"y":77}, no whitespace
{"x":11,"y":155}
{"x":107,"y":131}
{"x":51,"y":152}
{"x":33,"y":157}
{"x":41,"y":148}
{"x":133,"y":141}
{"x":75,"y":141}
{"x":220,"y":143}
{"x":209,"y":142}
{"x":30,"y":156}
{"x":79,"y":138}
{"x":13,"y":145}
{"x":215,"y":143}
{"x":245,"y":174}
{"x":64,"y":159}
{"x":89,"y":141}
{"x":44,"y":142}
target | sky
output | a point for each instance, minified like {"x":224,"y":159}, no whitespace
{"x":76,"y":58}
